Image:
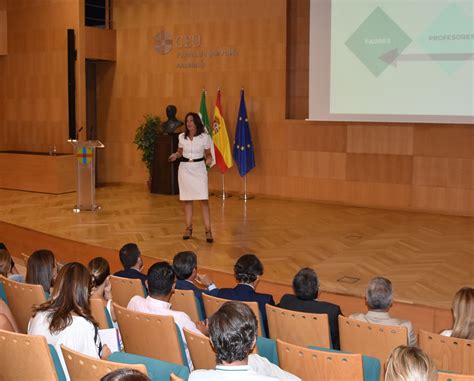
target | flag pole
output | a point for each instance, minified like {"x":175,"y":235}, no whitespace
{"x":246,"y":196}
{"x":222,"y":194}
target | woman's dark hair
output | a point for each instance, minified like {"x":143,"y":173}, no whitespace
{"x":197,"y":121}
{"x":247,"y":268}
{"x":70,"y":295}
{"x":129,"y":255}
{"x":232,"y":331}
{"x":160,"y":279}
{"x":99,"y":269}
{"x":184,"y":264}
{"x":306,"y":284}
{"x":125,"y":374}
{"x":40,"y":269}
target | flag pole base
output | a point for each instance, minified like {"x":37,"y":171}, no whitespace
{"x":222,"y":195}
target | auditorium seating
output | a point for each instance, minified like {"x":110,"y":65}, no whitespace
{"x":298,"y":328}
{"x":150,"y":335}
{"x":82,"y":367}
{"x":212,"y":304}
{"x":294,"y":330}
{"x":311,"y":364}
{"x":185,"y":300}
{"x":374,"y":340}
{"x":26,"y":357}
{"x":21,"y":299}
{"x":124,"y":289}
{"x":99,"y":314}
{"x":199,"y":346}
{"x":448,"y":353}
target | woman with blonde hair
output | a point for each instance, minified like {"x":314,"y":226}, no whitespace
{"x":409,"y":364}
{"x":463,"y":312}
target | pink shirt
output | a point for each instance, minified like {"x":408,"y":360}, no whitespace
{"x":150,"y":305}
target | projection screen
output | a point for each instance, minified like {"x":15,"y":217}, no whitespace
{"x":392,"y":60}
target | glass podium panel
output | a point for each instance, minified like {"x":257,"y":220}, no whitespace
{"x":85,"y":151}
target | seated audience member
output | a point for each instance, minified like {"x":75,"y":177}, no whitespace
{"x":185,"y":268}
{"x":125,"y":374}
{"x":463,"y":311}
{"x":7,"y":321}
{"x":379,"y":297}
{"x":233,"y":335}
{"x":41,"y":269}
{"x":132,"y":263}
{"x":409,"y":364}
{"x":101,"y":287}
{"x":7,"y":265}
{"x":247,"y":271}
{"x":161,"y":282}
{"x":306,"y":288}
{"x":66,"y":317}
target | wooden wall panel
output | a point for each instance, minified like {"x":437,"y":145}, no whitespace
{"x":382,"y":139}
{"x":321,"y":165}
{"x":35,"y":74}
{"x":443,"y":172}
{"x":3,"y":28}
{"x":100,"y":44}
{"x":442,"y":199}
{"x":395,"y":169}
{"x":444,"y":141}
{"x":378,"y":194}
{"x":311,"y":136}
{"x":297,"y":60}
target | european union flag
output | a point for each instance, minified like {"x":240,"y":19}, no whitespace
{"x":243,"y":147}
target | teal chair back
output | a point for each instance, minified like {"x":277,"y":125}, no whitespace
{"x":157,"y":370}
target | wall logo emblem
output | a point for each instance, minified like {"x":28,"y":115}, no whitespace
{"x":163,"y":42}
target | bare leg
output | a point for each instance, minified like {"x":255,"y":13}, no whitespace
{"x":188,"y":213}
{"x":206,"y":215}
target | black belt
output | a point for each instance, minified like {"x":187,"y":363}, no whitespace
{"x":185,"y":159}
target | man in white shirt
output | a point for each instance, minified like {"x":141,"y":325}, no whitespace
{"x":379,"y":298}
{"x":161,"y":283}
{"x":233,"y":334}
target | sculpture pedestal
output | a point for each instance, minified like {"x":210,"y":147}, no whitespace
{"x":164,"y":177}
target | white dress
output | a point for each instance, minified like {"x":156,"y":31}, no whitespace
{"x":192,"y":176}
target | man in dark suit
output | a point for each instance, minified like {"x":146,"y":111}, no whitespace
{"x":185,"y":268}
{"x":247,"y":271}
{"x":132,"y":263}
{"x":306,"y":287}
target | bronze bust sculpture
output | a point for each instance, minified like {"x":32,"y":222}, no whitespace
{"x":172,"y":124}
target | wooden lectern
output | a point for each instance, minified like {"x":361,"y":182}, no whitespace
{"x":85,"y":174}
{"x":164,"y":177}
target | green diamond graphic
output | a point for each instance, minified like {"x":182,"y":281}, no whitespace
{"x":450,"y":33}
{"x":377,"y":35}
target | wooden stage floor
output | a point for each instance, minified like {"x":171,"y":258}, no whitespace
{"x":427,"y":256}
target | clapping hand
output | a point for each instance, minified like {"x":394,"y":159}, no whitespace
{"x":203,"y":279}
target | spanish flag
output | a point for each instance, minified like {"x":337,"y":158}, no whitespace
{"x":220,"y":138}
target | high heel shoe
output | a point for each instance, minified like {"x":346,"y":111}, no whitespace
{"x":188,"y":232}
{"x":209,"y":238}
